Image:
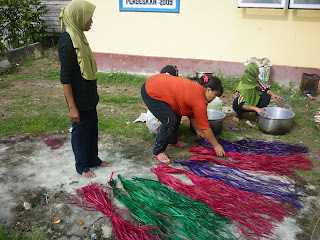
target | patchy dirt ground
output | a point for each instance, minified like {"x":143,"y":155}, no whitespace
{"x":36,"y":180}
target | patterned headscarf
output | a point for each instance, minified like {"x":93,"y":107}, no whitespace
{"x":248,"y":85}
{"x":74,"y":17}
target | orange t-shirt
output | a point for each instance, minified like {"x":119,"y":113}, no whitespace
{"x":185,"y":97}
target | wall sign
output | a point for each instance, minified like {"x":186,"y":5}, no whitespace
{"x":172,"y":6}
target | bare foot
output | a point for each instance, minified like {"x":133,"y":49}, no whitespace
{"x":235,"y":119}
{"x":105,"y":164}
{"x":311,"y":97}
{"x":88,"y":175}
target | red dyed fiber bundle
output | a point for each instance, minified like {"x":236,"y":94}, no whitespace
{"x":94,"y":198}
{"x":281,"y":165}
{"x":254,"y":214}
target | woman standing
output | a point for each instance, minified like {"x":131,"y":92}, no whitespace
{"x":78,"y":76}
{"x":169,"y":98}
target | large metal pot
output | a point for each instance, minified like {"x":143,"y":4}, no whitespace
{"x":215,"y":118}
{"x":276,"y":120}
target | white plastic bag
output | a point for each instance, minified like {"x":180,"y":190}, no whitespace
{"x":152,"y":122}
{"x":264,"y":67}
{"x":141,"y":118}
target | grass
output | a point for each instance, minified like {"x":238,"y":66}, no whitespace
{"x":24,"y":113}
{"x":122,"y":126}
{"x":121,"y":79}
{"x":229,"y":82}
{"x":52,"y":75}
{"x":35,"y":233}
{"x":6,"y":235}
{"x":120,"y":99}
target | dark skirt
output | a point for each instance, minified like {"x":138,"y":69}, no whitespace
{"x":84,"y":141}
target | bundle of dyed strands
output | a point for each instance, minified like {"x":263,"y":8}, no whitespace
{"x":274,"y":148}
{"x":279,"y":165}
{"x":96,"y":197}
{"x":285,"y":192}
{"x":183,"y":217}
{"x":141,"y":214}
{"x":254,"y":214}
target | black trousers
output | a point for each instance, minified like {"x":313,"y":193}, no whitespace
{"x":84,"y":141}
{"x":263,"y":102}
{"x":170,"y":122}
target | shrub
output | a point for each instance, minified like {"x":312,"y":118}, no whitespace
{"x":21,"y":23}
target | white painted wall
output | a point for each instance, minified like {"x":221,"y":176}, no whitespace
{"x":209,"y":29}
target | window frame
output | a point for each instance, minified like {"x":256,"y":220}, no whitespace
{"x":284,"y":5}
{"x":303,"y":5}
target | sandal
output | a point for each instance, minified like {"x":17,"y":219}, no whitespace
{"x":178,"y":144}
{"x":162,"y":157}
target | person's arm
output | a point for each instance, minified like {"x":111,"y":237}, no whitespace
{"x":274,"y":96}
{"x":194,"y":124}
{"x":67,"y":58}
{"x":74,"y":112}
{"x":200,"y":113}
{"x":242,"y":104}
{"x":252,"y":108}
{"x":208,"y":135}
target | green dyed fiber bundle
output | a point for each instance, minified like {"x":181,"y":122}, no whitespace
{"x":151,"y":202}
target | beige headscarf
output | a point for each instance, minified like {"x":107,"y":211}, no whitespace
{"x":74,"y":17}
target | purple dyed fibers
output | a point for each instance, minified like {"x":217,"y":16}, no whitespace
{"x":247,"y":145}
{"x":246,"y":182}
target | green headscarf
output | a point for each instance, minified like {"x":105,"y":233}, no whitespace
{"x":74,"y":17}
{"x":249,"y":84}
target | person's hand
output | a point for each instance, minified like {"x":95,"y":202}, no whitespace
{"x":276,"y":97}
{"x":260,"y":111}
{"x":75,"y":115}
{"x":219,"y":151}
{"x":200,"y":135}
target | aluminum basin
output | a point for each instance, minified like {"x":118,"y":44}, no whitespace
{"x":276,"y":120}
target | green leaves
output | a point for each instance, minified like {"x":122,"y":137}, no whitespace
{"x":22,"y":23}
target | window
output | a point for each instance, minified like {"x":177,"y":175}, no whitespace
{"x":310,"y":4}
{"x":263,"y":3}
{"x":303,"y":4}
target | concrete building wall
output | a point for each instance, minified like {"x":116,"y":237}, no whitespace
{"x":207,"y":35}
